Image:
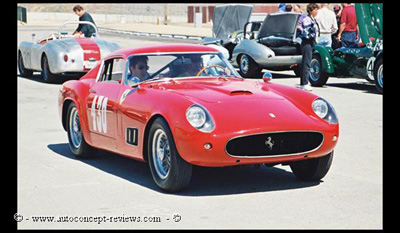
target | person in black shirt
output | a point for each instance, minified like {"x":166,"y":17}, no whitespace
{"x":85,"y":29}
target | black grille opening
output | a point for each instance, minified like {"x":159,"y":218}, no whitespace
{"x":272,"y":144}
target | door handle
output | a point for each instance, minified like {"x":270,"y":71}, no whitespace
{"x":92,"y":91}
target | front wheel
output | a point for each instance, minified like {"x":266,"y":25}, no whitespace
{"x":77,"y":142}
{"x":248,"y":68}
{"x":170,"y":172}
{"x":378,"y":75}
{"x":318,"y":77}
{"x":312,"y":169}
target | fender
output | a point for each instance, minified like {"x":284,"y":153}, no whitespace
{"x":142,"y":115}
{"x":256,"y":51}
{"x":55,"y":51}
{"x":25,"y":49}
{"x":76,"y":92}
{"x":326,"y":60}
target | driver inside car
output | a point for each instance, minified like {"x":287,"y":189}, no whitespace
{"x":138,"y":66}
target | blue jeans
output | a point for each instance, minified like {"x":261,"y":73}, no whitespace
{"x":307,"y":52}
{"x":325,"y":40}
{"x":349,"y":40}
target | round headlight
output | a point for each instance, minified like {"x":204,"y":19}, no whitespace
{"x":320,"y":108}
{"x":196,"y":116}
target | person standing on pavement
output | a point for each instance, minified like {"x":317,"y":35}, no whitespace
{"x":308,"y":33}
{"x":335,"y":43}
{"x":84,"y":29}
{"x":297,"y":9}
{"x":327,"y":24}
{"x":348,"y":31}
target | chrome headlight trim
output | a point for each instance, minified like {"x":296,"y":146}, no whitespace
{"x":200,"y":118}
{"x":324,"y":110}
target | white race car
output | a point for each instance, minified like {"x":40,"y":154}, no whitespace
{"x":60,"y":53}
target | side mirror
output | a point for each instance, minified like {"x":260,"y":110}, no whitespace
{"x":33,"y":36}
{"x":267,"y":77}
{"x":133,"y":82}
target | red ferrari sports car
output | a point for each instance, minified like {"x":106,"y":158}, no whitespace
{"x":178,"y":105}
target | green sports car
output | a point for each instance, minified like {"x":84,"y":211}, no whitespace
{"x":362,"y":62}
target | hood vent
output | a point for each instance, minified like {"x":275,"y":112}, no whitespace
{"x":241,"y":92}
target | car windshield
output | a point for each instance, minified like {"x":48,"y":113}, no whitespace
{"x":150,"y":67}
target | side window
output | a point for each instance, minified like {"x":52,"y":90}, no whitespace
{"x":112,"y":70}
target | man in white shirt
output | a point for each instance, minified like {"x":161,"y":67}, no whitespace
{"x":327,"y":24}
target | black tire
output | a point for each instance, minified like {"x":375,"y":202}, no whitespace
{"x":378,"y":75}
{"x":312,"y":169}
{"x":23,"y":72}
{"x":248,"y":68}
{"x":81,"y":150}
{"x":318,"y":77}
{"x":176,"y":175}
{"x":47,"y":76}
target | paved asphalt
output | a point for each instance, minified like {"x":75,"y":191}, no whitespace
{"x":107,"y":191}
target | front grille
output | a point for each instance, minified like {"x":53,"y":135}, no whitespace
{"x":274,"y":144}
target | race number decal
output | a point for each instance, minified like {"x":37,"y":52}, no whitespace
{"x":99,"y":117}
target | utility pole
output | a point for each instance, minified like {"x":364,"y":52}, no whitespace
{"x":166,"y":14}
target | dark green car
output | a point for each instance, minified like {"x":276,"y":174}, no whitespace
{"x":363,"y":62}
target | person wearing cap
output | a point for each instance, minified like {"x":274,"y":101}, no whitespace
{"x":348,"y":31}
{"x":281,"y":7}
{"x":327,"y":23}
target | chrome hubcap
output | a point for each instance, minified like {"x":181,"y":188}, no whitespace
{"x":379,"y":77}
{"x":314,"y":70}
{"x":161,"y":154}
{"x":75,"y":132}
{"x":244,"y":64}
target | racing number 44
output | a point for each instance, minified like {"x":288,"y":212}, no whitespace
{"x":99,"y":117}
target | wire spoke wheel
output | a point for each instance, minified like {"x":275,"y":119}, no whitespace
{"x":161,"y":154}
{"x":75,"y":131}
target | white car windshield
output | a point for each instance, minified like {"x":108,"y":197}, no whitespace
{"x":150,"y":67}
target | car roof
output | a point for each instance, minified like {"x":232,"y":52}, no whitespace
{"x":163,"y":48}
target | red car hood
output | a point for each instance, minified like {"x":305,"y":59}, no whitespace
{"x":220,"y":90}
{"x":246,"y":104}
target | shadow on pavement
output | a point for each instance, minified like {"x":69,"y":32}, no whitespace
{"x":37,"y":77}
{"x":357,"y":86}
{"x":204,"y":182}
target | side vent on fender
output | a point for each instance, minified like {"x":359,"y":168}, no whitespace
{"x":132,"y":136}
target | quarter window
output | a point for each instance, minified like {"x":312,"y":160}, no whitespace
{"x":112,"y":70}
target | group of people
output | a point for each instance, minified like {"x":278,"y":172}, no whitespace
{"x":336,"y":28}
{"x":325,"y":27}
